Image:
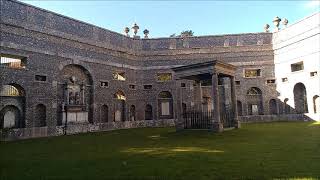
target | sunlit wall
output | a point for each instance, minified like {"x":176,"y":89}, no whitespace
{"x":299,"y":42}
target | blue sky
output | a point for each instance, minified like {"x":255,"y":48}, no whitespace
{"x":163,"y":18}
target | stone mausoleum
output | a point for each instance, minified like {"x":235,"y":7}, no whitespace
{"x":61,"y":76}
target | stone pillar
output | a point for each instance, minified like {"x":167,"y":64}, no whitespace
{"x":234,"y":103}
{"x":82,"y":94}
{"x":200,"y":97}
{"x":67,"y":94}
{"x":217,"y":126}
{"x":179,"y":123}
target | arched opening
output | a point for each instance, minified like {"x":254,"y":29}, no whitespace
{"x":286,"y":106}
{"x":300,"y":98}
{"x":104,"y":113}
{"x":12,"y":106}
{"x":120,"y":106}
{"x":255,"y":102}
{"x":11,"y":90}
{"x":40,"y":116}
{"x":132,"y":113}
{"x":165,"y":104}
{"x":316,"y":104}
{"x":148,"y":112}
{"x":273,"y":108}
{"x":239,"y":107}
{"x":10,"y":117}
{"x":75,"y":93}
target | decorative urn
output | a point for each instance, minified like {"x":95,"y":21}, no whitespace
{"x":135,"y":28}
{"x":285,"y":22}
{"x":276,"y":22}
{"x":146,"y":33}
{"x":266,"y":27}
{"x":126,"y":31}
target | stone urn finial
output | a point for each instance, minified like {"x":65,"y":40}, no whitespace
{"x":266,"y":27}
{"x":126,"y":31}
{"x":285,"y":22}
{"x":276,"y":22}
{"x":146,"y":33}
{"x":135,"y":28}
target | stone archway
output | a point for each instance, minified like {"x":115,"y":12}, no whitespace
{"x":10,"y":117}
{"x":12,"y":106}
{"x":254,"y":101}
{"x":300,"y":98}
{"x":75,"y":95}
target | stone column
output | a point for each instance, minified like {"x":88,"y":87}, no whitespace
{"x":83,"y":94}
{"x":234,"y":103}
{"x":217,"y":126}
{"x":179,"y":123}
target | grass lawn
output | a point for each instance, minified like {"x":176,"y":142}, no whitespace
{"x":256,"y":151}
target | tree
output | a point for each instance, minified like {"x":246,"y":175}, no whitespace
{"x":186,"y":33}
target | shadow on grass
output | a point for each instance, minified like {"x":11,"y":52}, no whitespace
{"x":297,"y":178}
{"x":170,"y":150}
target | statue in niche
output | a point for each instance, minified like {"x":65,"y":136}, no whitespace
{"x":71,"y":98}
{"x":77,"y":98}
{"x":74,"y":92}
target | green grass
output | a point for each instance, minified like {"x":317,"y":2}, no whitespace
{"x":256,"y":151}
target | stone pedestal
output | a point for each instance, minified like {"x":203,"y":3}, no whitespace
{"x":75,"y":117}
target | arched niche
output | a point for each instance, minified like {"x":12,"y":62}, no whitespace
{"x":132,"y":113}
{"x":10,"y":117}
{"x":254,"y":101}
{"x":273,"y":107}
{"x":165,"y":104}
{"x":12,"y":106}
{"x":75,"y":93}
{"x":148,"y":113}
{"x":300,"y":98}
{"x":119,"y":106}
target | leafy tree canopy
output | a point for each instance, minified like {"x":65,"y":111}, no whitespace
{"x":186,"y":33}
